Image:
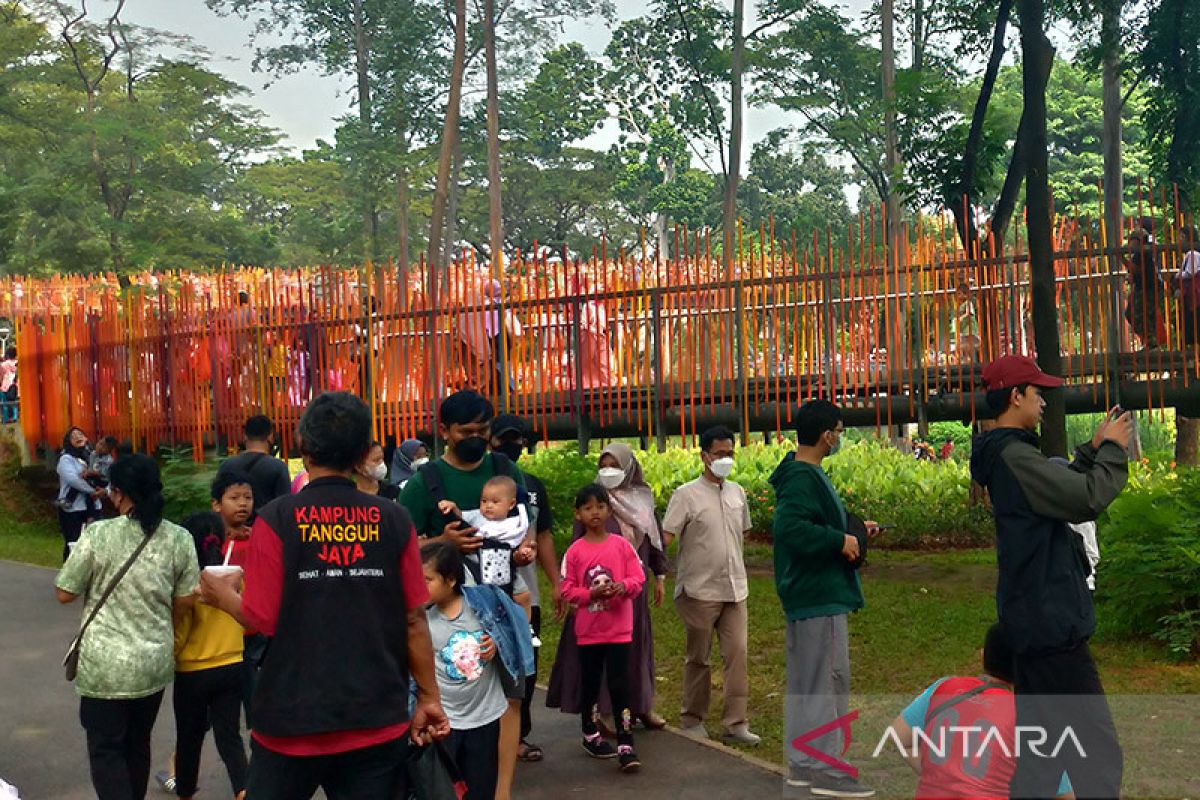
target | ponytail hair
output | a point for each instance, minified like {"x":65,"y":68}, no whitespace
{"x":137,"y":477}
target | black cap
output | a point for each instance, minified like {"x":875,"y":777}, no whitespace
{"x":508,"y":423}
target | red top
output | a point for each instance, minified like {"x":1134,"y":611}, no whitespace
{"x":260,"y":608}
{"x":976,"y":763}
{"x":589,"y":564}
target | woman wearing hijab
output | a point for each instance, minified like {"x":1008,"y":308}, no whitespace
{"x":632,"y":504}
{"x":408,"y":458}
{"x":78,"y":501}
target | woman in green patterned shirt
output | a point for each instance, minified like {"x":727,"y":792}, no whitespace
{"x":127,"y":655}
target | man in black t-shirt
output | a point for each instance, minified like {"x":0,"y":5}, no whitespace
{"x":510,"y":436}
{"x":268,"y":475}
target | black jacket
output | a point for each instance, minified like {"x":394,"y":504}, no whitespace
{"x":339,"y":657}
{"x":1041,"y":593}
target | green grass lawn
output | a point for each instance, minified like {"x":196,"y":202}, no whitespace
{"x":37,"y":542}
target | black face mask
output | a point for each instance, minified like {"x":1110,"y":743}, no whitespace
{"x":511,"y":449}
{"x":471,"y":449}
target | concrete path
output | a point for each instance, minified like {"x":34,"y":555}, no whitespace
{"x":42,"y":749}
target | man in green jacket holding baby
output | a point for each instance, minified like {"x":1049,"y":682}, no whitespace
{"x":816,"y":578}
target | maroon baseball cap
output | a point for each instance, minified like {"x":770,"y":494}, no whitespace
{"x":1009,"y":371}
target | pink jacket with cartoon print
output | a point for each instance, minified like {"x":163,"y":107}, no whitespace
{"x":586,"y":565}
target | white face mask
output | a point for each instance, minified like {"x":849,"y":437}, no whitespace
{"x":610,"y":477}
{"x":721,"y":467}
{"x":378,"y":472}
{"x":420,"y":462}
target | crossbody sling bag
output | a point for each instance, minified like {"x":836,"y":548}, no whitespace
{"x":71,"y":660}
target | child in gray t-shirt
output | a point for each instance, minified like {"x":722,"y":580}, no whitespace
{"x":468,"y":674}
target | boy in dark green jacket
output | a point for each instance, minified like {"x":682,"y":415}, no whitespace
{"x":818,"y":585}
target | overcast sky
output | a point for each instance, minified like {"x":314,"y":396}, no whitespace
{"x":305,"y":105}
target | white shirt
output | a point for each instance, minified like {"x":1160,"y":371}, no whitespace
{"x":1191,"y":264}
{"x":1087,"y":531}
{"x":510,"y":530}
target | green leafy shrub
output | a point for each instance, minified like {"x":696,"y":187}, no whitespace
{"x":956,"y":432}
{"x":186,"y":484}
{"x":1148,"y":579}
{"x":926,"y":501}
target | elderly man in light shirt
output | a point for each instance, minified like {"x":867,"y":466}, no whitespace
{"x":710,"y":517}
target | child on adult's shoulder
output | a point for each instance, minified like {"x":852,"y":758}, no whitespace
{"x":601,"y":575}
{"x":469,"y":676}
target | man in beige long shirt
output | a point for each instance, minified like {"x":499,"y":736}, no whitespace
{"x":710,"y":517}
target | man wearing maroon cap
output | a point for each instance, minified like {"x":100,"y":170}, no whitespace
{"x":1042,"y":596}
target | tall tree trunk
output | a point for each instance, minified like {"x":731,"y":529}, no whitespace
{"x":918,"y":38}
{"x":729,"y":210}
{"x":1114,"y":182}
{"x":892,"y":148}
{"x":1187,"y":429}
{"x":1018,"y":167}
{"x":437,"y":220}
{"x":362,"y":66}
{"x":495,"y":199}
{"x":450,"y":249}
{"x":661,"y":223}
{"x":963,"y":204}
{"x":1037,"y":52}
{"x":898,"y":348}
{"x":403,"y":232}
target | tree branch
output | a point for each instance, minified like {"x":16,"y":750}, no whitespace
{"x":713,"y":117}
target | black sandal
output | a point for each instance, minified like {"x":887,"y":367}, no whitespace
{"x":529,"y":753}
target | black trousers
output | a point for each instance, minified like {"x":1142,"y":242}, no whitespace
{"x":609,"y":662}
{"x":118,"y":744}
{"x":372,"y":773}
{"x":201,"y":698}
{"x":1054,"y":692}
{"x":535,"y":620}
{"x":71,"y":524}
{"x":477,"y":754}
{"x":254,"y":650}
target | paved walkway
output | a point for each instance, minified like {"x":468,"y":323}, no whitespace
{"x":42,"y":745}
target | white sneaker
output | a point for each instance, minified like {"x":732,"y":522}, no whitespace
{"x":741,"y":735}
{"x":695,"y":731}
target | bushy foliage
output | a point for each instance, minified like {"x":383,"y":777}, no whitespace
{"x":186,"y":484}
{"x":1148,"y":579}
{"x":926,"y":501}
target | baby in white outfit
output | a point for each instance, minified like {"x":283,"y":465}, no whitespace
{"x":493,"y":522}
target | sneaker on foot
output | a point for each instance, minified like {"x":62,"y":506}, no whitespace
{"x":838,"y":786}
{"x":801,"y":777}
{"x":741,"y":734}
{"x":694,"y":732}
{"x":166,"y":781}
{"x":628,"y":759}
{"x":596,"y":747}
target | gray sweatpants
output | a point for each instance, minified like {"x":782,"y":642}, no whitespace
{"x":818,"y":687}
